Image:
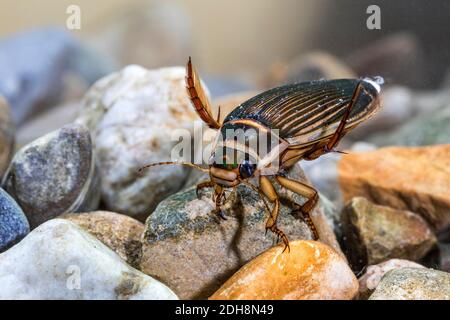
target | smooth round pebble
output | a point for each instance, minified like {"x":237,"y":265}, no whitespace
{"x":310,"y":271}
{"x":54,"y":174}
{"x":13,"y":223}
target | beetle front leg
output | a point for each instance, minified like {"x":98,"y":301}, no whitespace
{"x":217,"y":198}
{"x":269,"y":191}
{"x":307,"y":191}
{"x":202,"y":185}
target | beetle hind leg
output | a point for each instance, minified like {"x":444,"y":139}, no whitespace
{"x":339,"y":133}
{"x":269,"y":192}
{"x":306,"y":191}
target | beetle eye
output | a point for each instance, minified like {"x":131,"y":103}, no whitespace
{"x":246,"y":169}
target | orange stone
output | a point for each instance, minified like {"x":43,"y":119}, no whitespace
{"x":311,"y":270}
{"x":415,"y":179}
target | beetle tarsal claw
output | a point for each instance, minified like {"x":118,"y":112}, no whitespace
{"x":221,"y":214}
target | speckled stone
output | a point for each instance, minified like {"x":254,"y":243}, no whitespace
{"x":375,"y":233}
{"x":188,"y":247}
{"x":117,"y":231}
{"x":310,"y":271}
{"x":7,"y":131}
{"x":132,"y":115}
{"x":413,"y":284}
{"x":59,"y":260}
{"x":369,"y":281}
{"x":54,"y":174}
{"x":13,"y":223}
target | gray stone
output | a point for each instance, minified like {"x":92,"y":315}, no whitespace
{"x":58,"y":260}
{"x":54,"y":174}
{"x":36,"y":68}
{"x":413,"y":284}
{"x":191,"y":249}
{"x":13,"y":223}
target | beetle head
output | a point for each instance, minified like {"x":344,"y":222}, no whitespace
{"x":228,"y":167}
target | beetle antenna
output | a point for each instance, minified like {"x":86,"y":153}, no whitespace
{"x":188,"y":164}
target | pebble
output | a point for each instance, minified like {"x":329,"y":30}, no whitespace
{"x":54,"y":174}
{"x":13,"y":223}
{"x":310,"y":271}
{"x":413,"y":284}
{"x":399,"y":177}
{"x":191,"y":249}
{"x":58,"y":260}
{"x":374,"y":273}
{"x":375,"y":233}
{"x":132,"y":115}
{"x":120,"y":233}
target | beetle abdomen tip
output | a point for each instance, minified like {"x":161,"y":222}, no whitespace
{"x":375,"y":82}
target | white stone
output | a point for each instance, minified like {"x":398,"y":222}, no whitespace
{"x":58,"y":260}
{"x":413,"y":284}
{"x":132,"y":115}
{"x":372,"y":277}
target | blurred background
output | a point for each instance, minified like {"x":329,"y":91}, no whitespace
{"x":236,"y":45}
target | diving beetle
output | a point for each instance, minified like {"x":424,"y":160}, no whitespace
{"x":309,"y":119}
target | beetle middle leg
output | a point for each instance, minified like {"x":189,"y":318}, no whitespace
{"x":307,"y":191}
{"x":269,"y":191}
